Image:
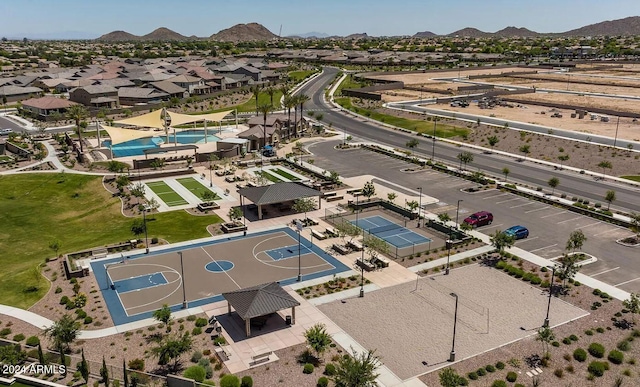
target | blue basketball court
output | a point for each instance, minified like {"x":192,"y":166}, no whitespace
{"x":390,"y":232}
{"x":140,"y":282}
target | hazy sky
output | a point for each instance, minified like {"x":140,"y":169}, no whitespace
{"x":335,"y":17}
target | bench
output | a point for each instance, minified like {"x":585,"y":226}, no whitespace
{"x":354,"y":190}
{"x":330,"y":194}
{"x":222,"y":354}
{"x":356,"y":245}
{"x":367,"y":266}
{"x":313,"y":222}
{"x":266,"y":354}
{"x":344,"y":250}
{"x":318,"y":235}
{"x":331,"y":231}
{"x":381,"y":262}
{"x":334,"y":198}
{"x":259,"y":359}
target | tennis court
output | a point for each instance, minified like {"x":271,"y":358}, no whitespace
{"x":196,"y":187}
{"x":135,"y":286}
{"x":166,"y":193}
{"x":391,"y":232}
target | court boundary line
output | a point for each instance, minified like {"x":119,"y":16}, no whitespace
{"x":147,"y":287}
{"x":221,"y":269}
{"x":280,"y":267}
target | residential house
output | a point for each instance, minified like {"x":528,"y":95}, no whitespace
{"x":130,"y":96}
{"x":249,"y":71}
{"x":234,"y":81}
{"x":95,"y":96}
{"x":43,"y":107}
{"x":173,"y":90}
{"x":194,"y":85}
{"x":280,"y":123}
{"x":17,"y":93}
{"x":255,"y":135}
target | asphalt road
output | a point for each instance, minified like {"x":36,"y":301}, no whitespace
{"x":574,"y":184}
{"x":8,"y":124}
{"x":549,"y":226}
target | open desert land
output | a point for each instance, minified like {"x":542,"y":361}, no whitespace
{"x":419,"y":78}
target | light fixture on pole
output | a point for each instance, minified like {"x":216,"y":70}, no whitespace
{"x":433,"y":147}
{"x":144,"y":221}
{"x":299,"y":229}
{"x":615,"y":139}
{"x":362,"y":267}
{"x":452,"y":355}
{"x":420,"y":207}
{"x":457,"y":211}
{"x":210,"y":171}
{"x":184,"y":283}
{"x":546,"y":319}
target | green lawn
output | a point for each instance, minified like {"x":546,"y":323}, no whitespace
{"x":297,"y":76}
{"x":285,"y":174}
{"x":250,"y":105}
{"x":196,"y":188}
{"x":634,"y":178}
{"x":36,"y":209}
{"x":268,"y":176}
{"x":167,"y":194}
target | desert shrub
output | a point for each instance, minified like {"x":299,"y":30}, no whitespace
{"x":196,"y":331}
{"x":573,"y":338}
{"x":555,"y":344}
{"x":499,"y":383}
{"x":472,"y":376}
{"x":33,"y":341}
{"x":64,"y":300}
{"x":5,"y":331}
{"x":500,"y":365}
{"x":196,"y":356}
{"x":196,"y":373}
{"x":596,"y":368}
{"x":558,"y":372}
{"x":191,"y":318}
{"x":229,"y":381}
{"x":81,"y":313}
{"x":206,"y":352}
{"x":481,"y":372}
{"x":322,"y":382}
{"x":200,"y":322}
{"x":490,"y":368}
{"x":308,"y":368}
{"x":566,"y":341}
{"x":588,"y":332}
{"x":246,"y":381}
{"x":569,"y":368}
{"x":88,"y":320}
{"x":512,"y":377}
{"x":596,"y":350}
{"x":136,"y":364}
{"x":18,"y":337}
{"x":616,"y":357}
{"x":58,"y":290}
{"x":330,"y":369}
{"x":580,"y":354}
{"x":600,"y":329}
{"x":624,"y":345}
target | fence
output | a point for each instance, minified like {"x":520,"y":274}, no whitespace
{"x":115,"y":372}
{"x":338,"y":217}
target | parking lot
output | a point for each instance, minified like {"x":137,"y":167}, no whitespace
{"x":549,"y":226}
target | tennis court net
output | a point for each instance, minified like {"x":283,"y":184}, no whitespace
{"x":377,"y":230}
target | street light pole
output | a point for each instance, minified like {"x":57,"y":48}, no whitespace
{"x":184,"y":283}
{"x":546,"y":319}
{"x":362,"y":267}
{"x":210,"y":175}
{"x":452,"y":355}
{"x":299,"y":228}
{"x":615,"y":139}
{"x":146,"y":236}
{"x":420,"y":207}
{"x":433,"y":146}
{"x":457,"y":211}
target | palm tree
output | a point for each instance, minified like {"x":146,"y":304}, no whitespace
{"x":294,"y":102}
{"x":465,"y":157}
{"x":289,"y":101}
{"x":270,"y":92}
{"x":255,"y":90}
{"x":284,"y":89}
{"x":78,"y":113}
{"x":63,"y":332}
{"x":301,"y":101}
{"x":265,"y":109}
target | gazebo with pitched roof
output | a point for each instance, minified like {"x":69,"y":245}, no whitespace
{"x":277,"y":193}
{"x":260,"y":300}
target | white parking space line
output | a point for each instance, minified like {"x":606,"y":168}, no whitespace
{"x":457,"y":184}
{"x":557,"y":213}
{"x":521,"y":241}
{"x":522,"y":205}
{"x":492,"y":226}
{"x":537,"y":209}
{"x":569,"y":220}
{"x":509,"y":200}
{"x":605,"y":271}
{"x":542,"y":248}
{"x":606,"y":232}
{"x":495,"y":196}
{"x":592,"y":224}
{"x":626,"y":282}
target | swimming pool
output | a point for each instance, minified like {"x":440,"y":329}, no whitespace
{"x":138,"y":146}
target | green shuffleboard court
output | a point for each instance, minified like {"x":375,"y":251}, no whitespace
{"x":285,"y":174}
{"x":196,"y":188}
{"x":166,"y":193}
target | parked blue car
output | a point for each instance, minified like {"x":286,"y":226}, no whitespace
{"x":517,"y":232}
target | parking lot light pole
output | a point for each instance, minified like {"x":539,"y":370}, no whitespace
{"x":452,"y":355}
{"x":144,"y":221}
{"x":362,"y":267}
{"x":184,"y":283}
{"x":546,"y":319}
{"x":420,"y":207}
{"x":433,"y":146}
{"x":457,"y":211}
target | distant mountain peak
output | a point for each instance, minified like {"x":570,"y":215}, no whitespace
{"x":244,"y":33}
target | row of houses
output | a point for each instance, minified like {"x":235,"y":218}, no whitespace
{"x":130,"y":82}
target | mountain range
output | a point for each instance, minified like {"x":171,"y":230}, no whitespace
{"x":255,"y":32}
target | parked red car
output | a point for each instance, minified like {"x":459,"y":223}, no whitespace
{"x":478,"y":219}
